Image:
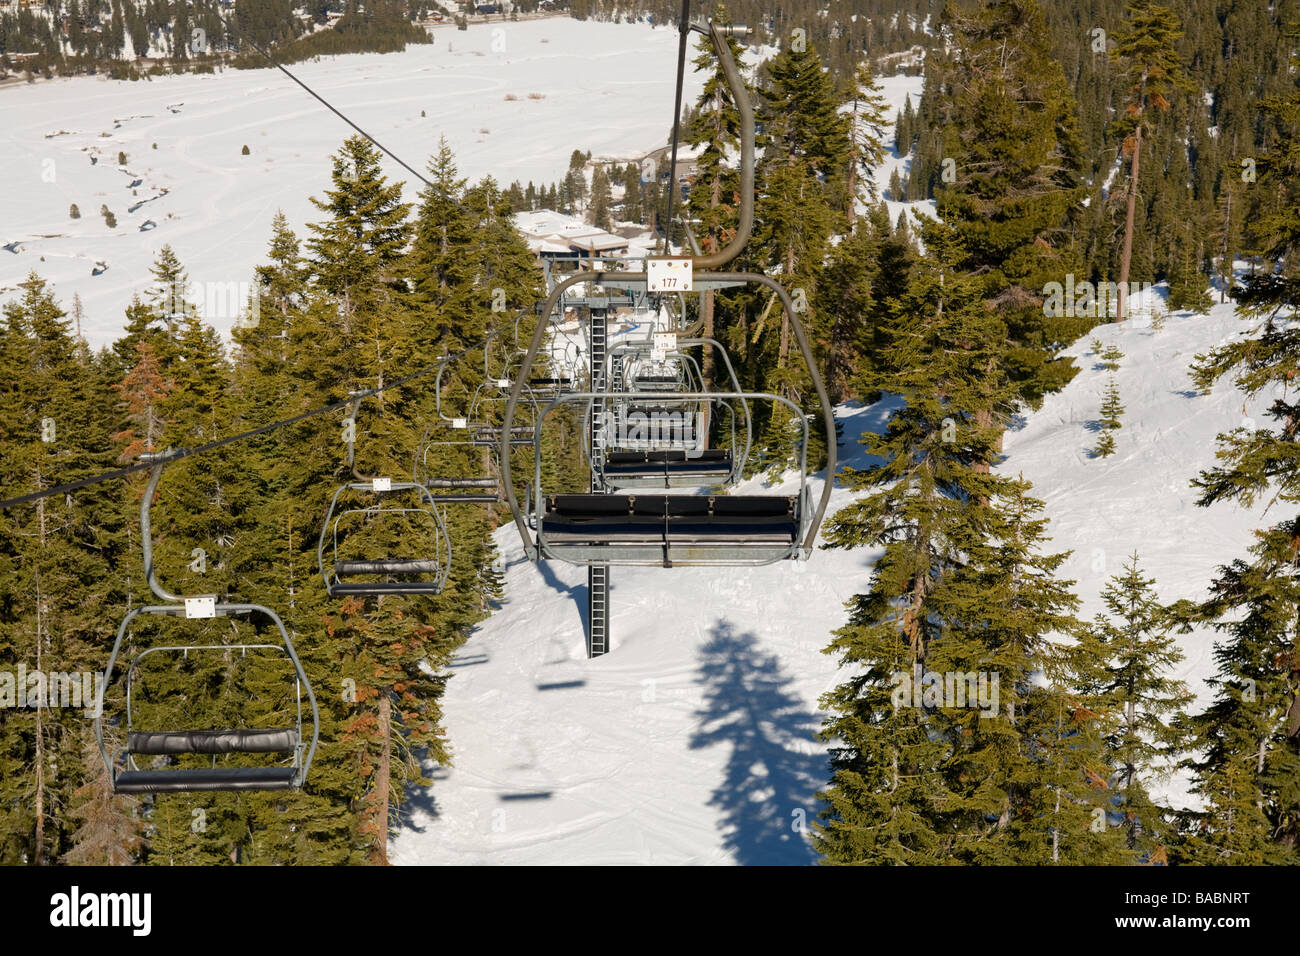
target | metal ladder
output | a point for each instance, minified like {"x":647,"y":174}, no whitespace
{"x":597,"y":574}
{"x":597,"y":609}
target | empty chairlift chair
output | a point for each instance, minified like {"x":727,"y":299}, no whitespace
{"x":294,"y":744}
{"x":347,"y":571}
{"x":361,"y":517}
{"x":660,"y":443}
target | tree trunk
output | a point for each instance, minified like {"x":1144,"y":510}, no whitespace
{"x":38,"y":855}
{"x":706,"y":313}
{"x":383,"y":780}
{"x":1127,"y":255}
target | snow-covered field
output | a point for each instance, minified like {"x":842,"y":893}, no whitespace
{"x":513,"y":100}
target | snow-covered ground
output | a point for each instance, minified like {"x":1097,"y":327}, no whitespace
{"x":896,"y":90}
{"x":513,"y":100}
{"x":693,"y":740}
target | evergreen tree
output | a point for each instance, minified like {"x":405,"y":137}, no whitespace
{"x":599,"y":210}
{"x":1012,"y":142}
{"x":1154,"y":71}
{"x":1246,"y":771}
{"x":357,"y":247}
{"x":800,"y":110}
{"x":866,"y":138}
{"x":1145,"y":740}
{"x":926,"y":504}
{"x":1111,"y":410}
{"x":1255,"y":721}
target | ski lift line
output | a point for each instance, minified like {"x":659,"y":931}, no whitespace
{"x":178,"y":453}
{"x":324,"y":102}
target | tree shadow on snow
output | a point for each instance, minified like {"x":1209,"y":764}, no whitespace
{"x":770,"y":784}
{"x":419,"y":798}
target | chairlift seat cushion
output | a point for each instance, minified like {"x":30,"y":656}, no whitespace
{"x":665,"y":456}
{"x":668,"y":463}
{"x":372,"y":588}
{"x":212,"y":741}
{"x":460,"y":483}
{"x":207,"y":778}
{"x":386,"y":566}
{"x":685,"y":519}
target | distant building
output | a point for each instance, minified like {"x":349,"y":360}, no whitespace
{"x":552,"y":235}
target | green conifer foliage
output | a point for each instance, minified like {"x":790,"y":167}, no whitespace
{"x":1144,"y":704}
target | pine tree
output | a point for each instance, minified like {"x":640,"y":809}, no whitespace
{"x":1147,"y":49}
{"x":1111,"y":410}
{"x":631,"y":205}
{"x":927,"y":502}
{"x":713,"y":204}
{"x":1145,"y":740}
{"x":363,"y":238}
{"x":895,"y":186}
{"x":1255,"y":721}
{"x":1019,"y":770}
{"x":55,"y":427}
{"x":599,"y":210}
{"x":866,"y":138}
{"x":800,"y":111}
{"x":1012,"y":139}
{"x":1248,"y":769}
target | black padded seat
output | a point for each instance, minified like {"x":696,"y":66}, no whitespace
{"x":226,"y":778}
{"x":384,"y":587}
{"x":487,"y":482}
{"x":667,"y":456}
{"x":670,"y":519}
{"x":212,"y":741}
{"x":754,"y":518}
{"x":668,"y":466}
{"x":655,"y":380}
{"x":467,"y":499}
{"x":387,"y":566}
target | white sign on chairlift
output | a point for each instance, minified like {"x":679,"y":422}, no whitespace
{"x":460,"y":423}
{"x":382,"y":484}
{"x":669,"y":274}
{"x":503,"y":383}
{"x":661,"y":343}
{"x":203,"y":605}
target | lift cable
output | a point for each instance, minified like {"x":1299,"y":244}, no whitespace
{"x":684,"y":29}
{"x":233,"y":28}
{"x":241,"y":436}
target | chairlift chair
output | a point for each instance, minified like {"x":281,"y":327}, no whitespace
{"x":348,"y":571}
{"x":680,"y":458}
{"x":297,"y":742}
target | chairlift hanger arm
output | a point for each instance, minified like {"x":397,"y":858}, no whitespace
{"x":739,"y":96}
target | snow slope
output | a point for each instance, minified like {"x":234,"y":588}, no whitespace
{"x":693,"y":740}
{"x":599,"y":86}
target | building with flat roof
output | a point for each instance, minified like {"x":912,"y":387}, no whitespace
{"x":552,"y":235}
